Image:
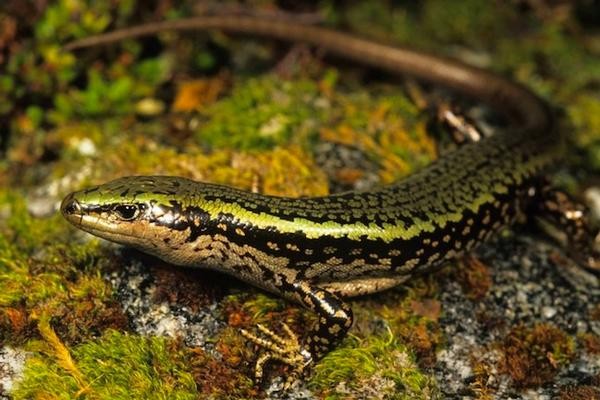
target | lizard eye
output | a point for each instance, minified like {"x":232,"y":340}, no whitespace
{"x":127,"y":212}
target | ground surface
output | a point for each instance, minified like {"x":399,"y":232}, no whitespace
{"x":81,"y":318}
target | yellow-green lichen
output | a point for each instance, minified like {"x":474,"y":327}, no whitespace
{"x":386,"y":126}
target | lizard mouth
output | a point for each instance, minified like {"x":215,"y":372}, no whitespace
{"x":70,"y":206}
{"x":90,"y":219}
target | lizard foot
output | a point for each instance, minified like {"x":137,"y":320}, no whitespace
{"x":285,"y":349}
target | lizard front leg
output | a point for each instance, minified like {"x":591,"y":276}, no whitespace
{"x":334,"y":320}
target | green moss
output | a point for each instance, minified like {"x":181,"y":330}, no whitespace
{"x":260,"y":304}
{"x":376,"y":366}
{"x":22,"y":233}
{"x":248,"y":310}
{"x":393,"y":340}
{"x":545,"y":60}
{"x":262,"y":112}
{"x":40,"y":72}
{"x":412,"y":315}
{"x":383,"y":124}
{"x":116,"y":366}
{"x":43,"y":274}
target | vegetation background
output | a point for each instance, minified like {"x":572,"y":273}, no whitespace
{"x":80,"y":318}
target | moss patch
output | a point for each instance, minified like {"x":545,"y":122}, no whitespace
{"x":413,"y":315}
{"x":379,"y":367}
{"x":264,"y":111}
{"x":61,"y":282}
{"x":222,"y":378}
{"x":533,"y":355}
{"x":117,"y":366}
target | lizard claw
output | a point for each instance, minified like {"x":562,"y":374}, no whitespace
{"x":285,"y":349}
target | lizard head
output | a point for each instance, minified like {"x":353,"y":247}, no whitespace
{"x":151,"y":213}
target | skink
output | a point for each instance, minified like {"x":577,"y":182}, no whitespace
{"x":316,"y":251}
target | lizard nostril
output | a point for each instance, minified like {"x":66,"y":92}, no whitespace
{"x":70,"y":206}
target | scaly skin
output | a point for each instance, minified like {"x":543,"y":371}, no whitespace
{"x":315,"y":251}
